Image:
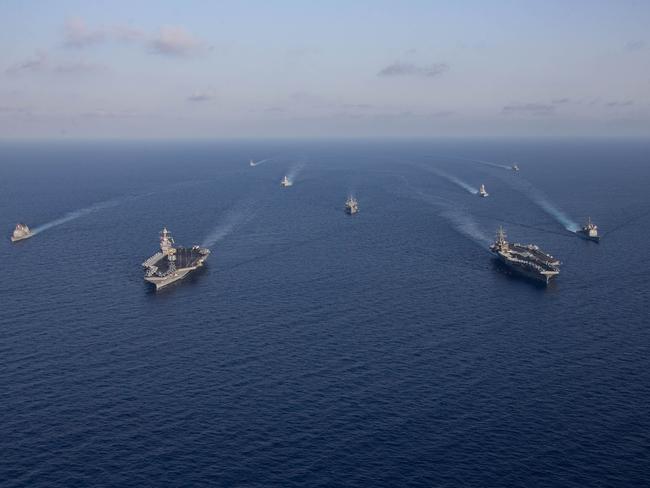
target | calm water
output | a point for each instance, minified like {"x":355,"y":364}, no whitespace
{"x":317,"y":349}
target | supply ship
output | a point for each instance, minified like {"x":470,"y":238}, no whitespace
{"x":527,"y":260}
{"x":171,"y":263}
{"x":589,"y":231}
{"x":351,"y":206}
{"x":21,"y":232}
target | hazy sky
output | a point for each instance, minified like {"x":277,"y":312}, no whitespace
{"x":86,"y":69}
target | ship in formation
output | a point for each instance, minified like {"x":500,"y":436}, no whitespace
{"x":251,"y":163}
{"x":286,"y":182}
{"x":351,"y":206}
{"x":482,"y":192}
{"x":527,"y":260}
{"x":21,"y":232}
{"x":172,"y":263}
{"x":589,"y":231}
{"x":514,"y":167}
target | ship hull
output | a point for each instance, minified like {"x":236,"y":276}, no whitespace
{"x":161,"y":282}
{"x":187,"y":260}
{"x":524,"y":272}
{"x":16,"y":239}
{"x":587,"y":237}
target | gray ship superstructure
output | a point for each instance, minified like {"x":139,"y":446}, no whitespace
{"x":589,"y":231}
{"x":21,"y":232}
{"x":172,"y":263}
{"x":351,"y":206}
{"x":527,"y":260}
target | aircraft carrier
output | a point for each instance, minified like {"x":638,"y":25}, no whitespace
{"x":527,"y":260}
{"x":172,"y":263}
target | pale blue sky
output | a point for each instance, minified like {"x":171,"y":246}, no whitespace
{"x":81,"y":69}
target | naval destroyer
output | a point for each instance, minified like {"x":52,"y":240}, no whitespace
{"x":589,"y":231}
{"x":527,"y":260}
{"x":285,"y":183}
{"x":351,"y":206}
{"x":21,"y":232}
{"x":172,"y":263}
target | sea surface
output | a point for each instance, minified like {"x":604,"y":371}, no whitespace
{"x":314,"y":348}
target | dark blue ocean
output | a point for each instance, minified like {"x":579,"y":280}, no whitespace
{"x":314,"y":348}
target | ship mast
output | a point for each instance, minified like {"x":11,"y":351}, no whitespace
{"x":501,"y":237}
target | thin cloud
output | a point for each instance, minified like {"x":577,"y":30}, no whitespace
{"x":14,"y":110}
{"x":42,"y":64}
{"x":200,"y":97}
{"x":175,"y":42}
{"x":400,"y":68}
{"x":78,"y":68}
{"x":170,"y":41}
{"x":623,"y":103}
{"x":110,"y":114}
{"x":35,"y":64}
{"x":636,"y":45}
{"x":78,"y":34}
{"x":358,"y":106}
{"x":529,"y":108}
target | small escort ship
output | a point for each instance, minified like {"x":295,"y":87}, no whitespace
{"x":171,"y":263}
{"x":351,"y":206}
{"x":527,"y":260}
{"x":514,"y":167}
{"x":252,"y":163}
{"x":21,"y":232}
{"x":285,"y":183}
{"x":589,"y":231}
{"x":482,"y":192}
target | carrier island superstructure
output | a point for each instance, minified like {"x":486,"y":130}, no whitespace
{"x":527,"y":260}
{"x":172,"y":263}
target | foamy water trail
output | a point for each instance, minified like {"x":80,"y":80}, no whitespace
{"x":459,"y":219}
{"x":481,"y":161}
{"x":295,"y":171}
{"x":80,"y":213}
{"x":457,"y":181}
{"x":543,"y":202}
{"x":467,"y":226}
{"x":539,"y":198}
{"x":233,"y":218}
{"x":262,"y":161}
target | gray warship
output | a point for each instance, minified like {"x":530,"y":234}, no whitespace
{"x":351,"y":206}
{"x":286,"y":182}
{"x":589,"y":231}
{"x":172,"y":263}
{"x":21,"y":232}
{"x":527,"y":260}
